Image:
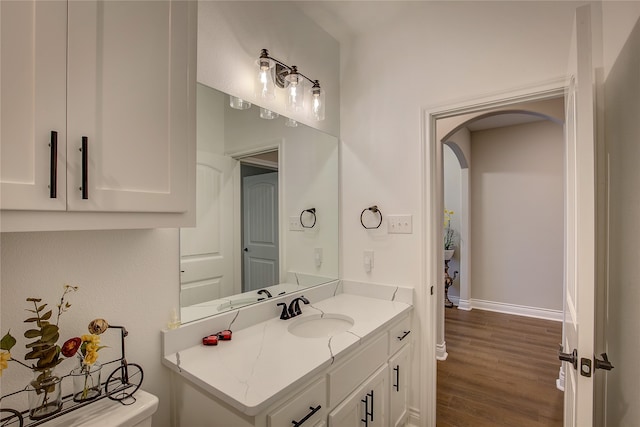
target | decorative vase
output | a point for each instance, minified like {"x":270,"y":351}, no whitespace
{"x":86,"y":382}
{"x":448,"y":254}
{"x":45,"y":394}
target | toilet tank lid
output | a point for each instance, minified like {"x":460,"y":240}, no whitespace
{"x":109,"y":413}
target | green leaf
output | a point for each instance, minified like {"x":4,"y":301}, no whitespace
{"x":31,"y":319}
{"x":35,"y":354}
{"x":50,"y":333}
{"x":46,"y":316}
{"x":32,"y":333}
{"x":34,"y":299}
{"x":7,"y":342}
{"x":49,"y":357}
{"x":37,"y":344}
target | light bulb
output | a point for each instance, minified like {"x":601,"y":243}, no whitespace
{"x":295,"y":91}
{"x":264,"y":86}
{"x":317,"y":101}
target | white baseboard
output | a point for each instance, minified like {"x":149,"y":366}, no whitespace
{"x":464,"y":304}
{"x":518,"y":310}
{"x":441,"y":351}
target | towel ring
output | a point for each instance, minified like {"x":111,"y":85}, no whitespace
{"x":312,"y":211}
{"x":373,"y":209}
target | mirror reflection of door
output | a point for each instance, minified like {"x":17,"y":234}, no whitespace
{"x":259,"y":228}
{"x":206,"y":250}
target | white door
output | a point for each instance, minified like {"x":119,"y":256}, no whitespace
{"x":260,"y":231}
{"x":580,"y":274}
{"x":128,"y":65}
{"x":206,"y":251}
{"x":34,"y":105}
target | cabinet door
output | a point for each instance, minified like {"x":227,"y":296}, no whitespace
{"x":367,"y":407}
{"x":129,"y":95}
{"x":33,"y":104}
{"x":399,"y":366}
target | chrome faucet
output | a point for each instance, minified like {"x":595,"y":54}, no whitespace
{"x":294,"y":308}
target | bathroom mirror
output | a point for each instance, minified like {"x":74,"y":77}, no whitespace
{"x":267,"y":209}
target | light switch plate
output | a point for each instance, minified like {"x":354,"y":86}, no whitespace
{"x":294,"y":223}
{"x":400,"y":224}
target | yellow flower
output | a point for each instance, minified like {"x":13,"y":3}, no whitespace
{"x":5,"y":356}
{"x":90,"y":338}
{"x":91,"y":357}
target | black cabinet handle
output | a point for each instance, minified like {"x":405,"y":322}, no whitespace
{"x":53,"y":168}
{"x":368,"y":414}
{"x":309,"y":415}
{"x":405,"y":333}
{"x":397,"y":371}
{"x":85,"y":167}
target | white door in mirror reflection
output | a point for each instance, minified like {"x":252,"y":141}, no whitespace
{"x":206,"y":251}
{"x":260,"y":231}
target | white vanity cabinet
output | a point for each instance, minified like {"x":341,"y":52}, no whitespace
{"x":113,"y":83}
{"x":366,"y":387}
{"x":399,"y":366}
{"x":367,"y":406}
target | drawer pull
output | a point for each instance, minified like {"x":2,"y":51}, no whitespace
{"x":53,"y":169}
{"x":405,"y":333}
{"x":397,"y":371}
{"x":85,"y":167}
{"x":309,"y":415}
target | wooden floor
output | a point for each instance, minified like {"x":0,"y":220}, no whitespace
{"x":501,"y":371}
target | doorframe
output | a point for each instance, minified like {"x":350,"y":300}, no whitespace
{"x":278,"y":145}
{"x":432,"y":273}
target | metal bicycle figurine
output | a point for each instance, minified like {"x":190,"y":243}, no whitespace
{"x":126,"y":379}
{"x":120,"y":386}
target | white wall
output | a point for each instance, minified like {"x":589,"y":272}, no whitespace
{"x":435,"y":53}
{"x":130,"y":278}
{"x":517,"y":227}
{"x":622,"y":134}
{"x":231,"y":35}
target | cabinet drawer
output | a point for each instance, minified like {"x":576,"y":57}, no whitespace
{"x":345,"y":378}
{"x":308,"y":408}
{"x":399,"y":334}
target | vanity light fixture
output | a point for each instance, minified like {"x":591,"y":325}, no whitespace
{"x":291,"y":123}
{"x":268,"y":114}
{"x":272,"y":73}
{"x":238,"y":103}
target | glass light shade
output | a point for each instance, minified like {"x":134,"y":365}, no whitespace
{"x":291,"y":123}
{"x":317,"y":102}
{"x":238,"y":103}
{"x":295,"y":92}
{"x":268,"y":114}
{"x":264,"y":86}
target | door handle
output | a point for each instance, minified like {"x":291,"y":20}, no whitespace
{"x":569,"y":357}
{"x":85,"y":167}
{"x":604,"y":363}
{"x":53,"y":166}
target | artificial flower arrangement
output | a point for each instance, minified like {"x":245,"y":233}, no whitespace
{"x":449,"y":233}
{"x":45,"y":390}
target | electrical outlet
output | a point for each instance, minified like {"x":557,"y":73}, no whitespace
{"x":294,"y":223}
{"x":400,"y":224}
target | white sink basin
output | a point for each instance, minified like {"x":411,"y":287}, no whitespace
{"x":320,"y":325}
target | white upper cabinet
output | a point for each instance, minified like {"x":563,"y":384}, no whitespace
{"x":33,"y":93}
{"x":119,"y":76}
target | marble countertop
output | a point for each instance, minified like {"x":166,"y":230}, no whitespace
{"x":264,"y":361}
